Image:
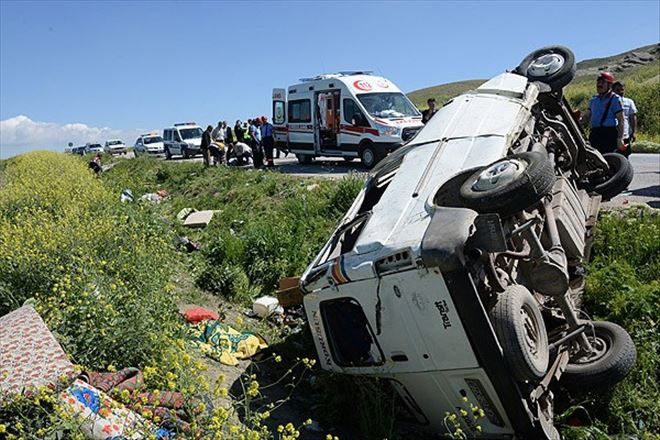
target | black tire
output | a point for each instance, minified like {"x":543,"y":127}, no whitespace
{"x":304,"y":159}
{"x":519,"y":327}
{"x":616,"y":358}
{"x":619,"y":177}
{"x":557,"y":77}
{"x":368,"y":156}
{"x":535,"y":180}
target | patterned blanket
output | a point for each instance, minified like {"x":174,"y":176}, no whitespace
{"x":225,"y":344}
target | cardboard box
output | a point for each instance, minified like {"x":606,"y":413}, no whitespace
{"x":289,"y":293}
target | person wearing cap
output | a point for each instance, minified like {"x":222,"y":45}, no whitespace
{"x":629,"y":117}
{"x":267,"y":140}
{"x":429,"y":112}
{"x":605,"y":113}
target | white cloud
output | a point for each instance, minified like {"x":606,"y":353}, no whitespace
{"x":21,"y":134}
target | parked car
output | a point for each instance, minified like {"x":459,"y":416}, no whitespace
{"x":149,"y":144}
{"x":94,"y":148}
{"x":455,"y":274}
{"x":183,"y":139}
{"x":81,"y":150}
{"x":115,"y":146}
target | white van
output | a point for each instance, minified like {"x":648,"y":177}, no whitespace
{"x":346,"y":114}
{"x":183,"y":139}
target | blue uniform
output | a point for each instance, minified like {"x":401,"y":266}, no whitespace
{"x":599,"y":104}
{"x":604,"y":133}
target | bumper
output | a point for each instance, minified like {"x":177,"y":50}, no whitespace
{"x":118,"y":151}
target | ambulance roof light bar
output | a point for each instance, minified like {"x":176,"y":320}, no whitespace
{"x":336,"y":75}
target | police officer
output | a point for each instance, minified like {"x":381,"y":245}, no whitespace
{"x":605,"y":114}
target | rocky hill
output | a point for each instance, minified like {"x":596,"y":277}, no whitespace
{"x":623,"y":65}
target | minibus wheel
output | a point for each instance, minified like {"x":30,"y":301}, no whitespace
{"x":613,"y":357}
{"x":519,"y":327}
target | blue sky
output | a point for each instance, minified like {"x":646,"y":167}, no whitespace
{"x":122,"y":66}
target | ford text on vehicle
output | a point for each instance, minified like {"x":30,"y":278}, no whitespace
{"x":455,"y":274}
{"x":183,"y":139}
{"x":348,"y":114}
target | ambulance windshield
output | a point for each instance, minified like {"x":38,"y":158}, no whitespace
{"x":388,"y":105}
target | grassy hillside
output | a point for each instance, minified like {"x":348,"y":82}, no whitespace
{"x":642,"y":78}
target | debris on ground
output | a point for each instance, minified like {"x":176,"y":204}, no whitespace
{"x":30,"y":356}
{"x":195,"y":315}
{"x":265,"y":306}
{"x":184,"y":213}
{"x":126,"y":196}
{"x":104,"y":418}
{"x":198,"y":219}
{"x":151,"y":197}
{"x":225,"y":344}
{"x":289,"y":293}
{"x":187,"y":244}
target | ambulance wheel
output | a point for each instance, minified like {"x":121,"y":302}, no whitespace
{"x":304,"y":159}
{"x":552,"y":65}
{"x":519,"y":327}
{"x":368,"y":156}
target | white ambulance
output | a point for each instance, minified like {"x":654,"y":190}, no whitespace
{"x":345,"y":114}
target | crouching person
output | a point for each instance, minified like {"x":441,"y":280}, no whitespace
{"x":217,"y":151}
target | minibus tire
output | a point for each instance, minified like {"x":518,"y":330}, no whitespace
{"x":509,"y":196}
{"x":619,"y":176}
{"x":520,"y":329}
{"x":615,"y":356}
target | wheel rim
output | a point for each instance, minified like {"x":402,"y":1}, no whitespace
{"x":531,"y":332}
{"x":547,"y":64}
{"x":599,"y":345}
{"x":367,"y":157}
{"x":499,"y":174}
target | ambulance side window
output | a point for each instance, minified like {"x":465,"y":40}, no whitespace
{"x":353,"y":115}
{"x":300,"y":110}
{"x":278,"y":112}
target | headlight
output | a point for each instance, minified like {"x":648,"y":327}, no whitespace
{"x":386,"y":130}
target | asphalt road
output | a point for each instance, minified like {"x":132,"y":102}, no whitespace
{"x":645,"y":187}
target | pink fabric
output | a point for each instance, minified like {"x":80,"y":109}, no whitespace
{"x":30,"y":356}
{"x":199,"y":314}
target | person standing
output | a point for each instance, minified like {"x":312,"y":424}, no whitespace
{"x":429,"y":112}
{"x":267,"y":140}
{"x":218,"y":133}
{"x":255,"y":140}
{"x":605,"y":114}
{"x":629,"y":117}
{"x":229,"y":138}
{"x":205,"y":145}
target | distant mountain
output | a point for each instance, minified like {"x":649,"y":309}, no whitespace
{"x":622,"y":65}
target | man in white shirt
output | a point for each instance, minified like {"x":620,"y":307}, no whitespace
{"x":629,"y":117}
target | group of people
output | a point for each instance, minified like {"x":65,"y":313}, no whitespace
{"x":612,"y":116}
{"x":247,"y":141}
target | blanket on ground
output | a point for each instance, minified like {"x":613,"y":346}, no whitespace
{"x":225,"y":344}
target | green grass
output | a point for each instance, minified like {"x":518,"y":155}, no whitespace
{"x":623,"y":286}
